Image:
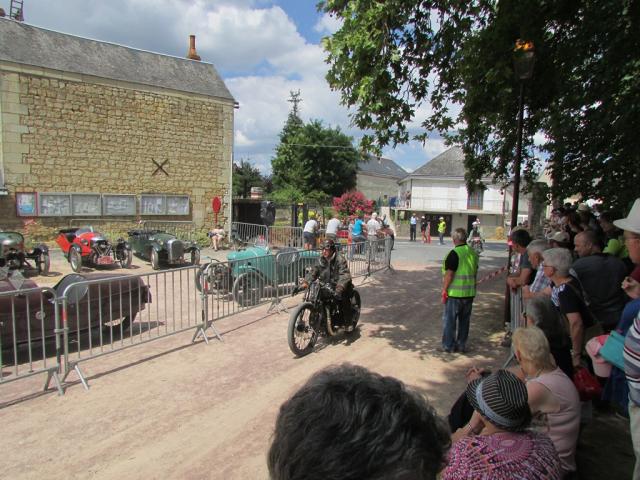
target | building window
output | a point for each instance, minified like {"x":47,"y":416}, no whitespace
{"x":474,"y":201}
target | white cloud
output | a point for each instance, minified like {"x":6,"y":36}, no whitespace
{"x":328,"y":24}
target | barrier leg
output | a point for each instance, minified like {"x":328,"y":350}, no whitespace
{"x":76,"y":367}
{"x":206,"y":323}
{"x":53,"y":374}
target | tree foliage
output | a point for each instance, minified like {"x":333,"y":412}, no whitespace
{"x":318,"y":161}
{"x":351,"y":203}
{"x":454,"y":59}
{"x":246,"y":176}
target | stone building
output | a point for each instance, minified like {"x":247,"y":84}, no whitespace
{"x":378,"y":177}
{"x":95,"y":130}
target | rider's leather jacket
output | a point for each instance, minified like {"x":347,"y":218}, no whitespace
{"x":334,"y":270}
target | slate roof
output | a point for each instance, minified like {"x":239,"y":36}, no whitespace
{"x":449,"y":163}
{"x":28,"y":45}
{"x":373,"y":165}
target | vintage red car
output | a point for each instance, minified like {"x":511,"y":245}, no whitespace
{"x":109,"y":301}
{"x":87,"y":246}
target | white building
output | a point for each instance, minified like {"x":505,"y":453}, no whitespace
{"x":438,"y":189}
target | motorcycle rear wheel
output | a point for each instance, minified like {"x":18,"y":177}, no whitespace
{"x":300,"y":334}
{"x":355,"y":306}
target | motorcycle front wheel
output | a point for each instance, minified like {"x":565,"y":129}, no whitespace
{"x":301,"y":335}
{"x":355,"y":308}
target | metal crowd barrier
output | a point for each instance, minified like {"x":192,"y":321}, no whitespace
{"x":249,"y":232}
{"x":285,"y":236}
{"x":53,"y":331}
{"x":29,"y":340}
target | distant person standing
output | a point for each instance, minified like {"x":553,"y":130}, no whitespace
{"x":332,"y":228}
{"x":428,"y":232}
{"x":413,"y":221}
{"x":310,"y":232}
{"x":373,"y":226}
{"x":442,"y":227}
{"x":459,"y":271}
{"x":357,"y":235}
{"x":423,"y":228}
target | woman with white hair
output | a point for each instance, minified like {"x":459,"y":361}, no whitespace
{"x":566,"y":295}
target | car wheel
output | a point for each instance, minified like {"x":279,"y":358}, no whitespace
{"x":247,"y":289}
{"x":126,"y":258}
{"x":195,"y":257}
{"x":75,"y":259}
{"x":44,"y":264}
{"x":155,"y":259}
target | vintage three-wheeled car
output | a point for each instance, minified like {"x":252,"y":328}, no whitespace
{"x":14,"y":255}
{"x":30,"y":315}
{"x":248,"y":272}
{"x":163,"y":248}
{"x":87,"y":246}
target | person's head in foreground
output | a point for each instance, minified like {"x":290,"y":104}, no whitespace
{"x":349,"y":423}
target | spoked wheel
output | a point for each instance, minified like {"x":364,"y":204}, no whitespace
{"x":355,"y":309}
{"x":155,"y":259}
{"x":247,"y":289}
{"x":75,"y":259}
{"x":212,"y":277}
{"x":301,"y":335}
{"x":44,"y":263}
{"x":125,"y":258}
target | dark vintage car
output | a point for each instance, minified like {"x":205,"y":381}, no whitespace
{"x":163,"y":248}
{"x":30,"y":315}
{"x":14,"y":255}
{"x":87,"y":246}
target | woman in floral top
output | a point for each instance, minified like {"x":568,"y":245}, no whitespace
{"x":495,"y":444}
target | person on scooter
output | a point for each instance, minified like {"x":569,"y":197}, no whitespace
{"x":333,"y":269}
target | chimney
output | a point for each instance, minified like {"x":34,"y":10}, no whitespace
{"x":193,"y":55}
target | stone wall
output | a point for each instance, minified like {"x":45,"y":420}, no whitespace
{"x":72,"y":133}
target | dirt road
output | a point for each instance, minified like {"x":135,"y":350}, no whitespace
{"x":170,"y":409}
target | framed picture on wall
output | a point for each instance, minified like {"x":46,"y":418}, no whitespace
{"x":153,"y":205}
{"x":120,"y":205}
{"x":54,"y":204}
{"x":27,"y":204}
{"x":177,"y":205}
{"x":86,"y":204}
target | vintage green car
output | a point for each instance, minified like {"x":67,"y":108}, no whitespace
{"x":14,"y":256}
{"x":163,"y":248}
{"x":248,"y":272}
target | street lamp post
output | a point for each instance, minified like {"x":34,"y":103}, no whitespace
{"x":523,"y":62}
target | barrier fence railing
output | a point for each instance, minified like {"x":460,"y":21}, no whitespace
{"x":54,"y":330}
{"x":29,"y":340}
{"x":248,"y":232}
{"x":285,"y":236}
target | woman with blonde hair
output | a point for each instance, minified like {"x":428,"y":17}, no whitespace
{"x":553,"y":398}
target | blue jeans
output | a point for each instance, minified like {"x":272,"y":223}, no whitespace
{"x":457,"y":311}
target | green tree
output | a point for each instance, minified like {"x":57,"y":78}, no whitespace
{"x":246,"y":176}
{"x":317,"y":161}
{"x":455,"y":59}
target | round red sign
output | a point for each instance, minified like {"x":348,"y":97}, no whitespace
{"x":216,"y":204}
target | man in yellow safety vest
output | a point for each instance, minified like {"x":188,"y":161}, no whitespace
{"x":459,"y":270}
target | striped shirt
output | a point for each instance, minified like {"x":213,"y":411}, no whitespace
{"x":632,"y":360}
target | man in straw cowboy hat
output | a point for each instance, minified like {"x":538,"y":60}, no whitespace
{"x":631,"y":227}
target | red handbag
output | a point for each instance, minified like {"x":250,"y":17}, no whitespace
{"x":587,"y":385}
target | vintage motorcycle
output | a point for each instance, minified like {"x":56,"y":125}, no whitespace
{"x":476,"y":244}
{"x":318,"y":315}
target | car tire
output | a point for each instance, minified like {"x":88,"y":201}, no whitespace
{"x":126,"y":258}
{"x":44,"y":264}
{"x":155,"y":259}
{"x":75,"y":259}
{"x":195,"y":257}
{"x":248,"y":289}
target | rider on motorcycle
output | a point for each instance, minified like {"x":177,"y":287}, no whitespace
{"x":475,"y":236}
{"x":334,"y":270}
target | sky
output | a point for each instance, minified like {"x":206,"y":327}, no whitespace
{"x":263,"y":49}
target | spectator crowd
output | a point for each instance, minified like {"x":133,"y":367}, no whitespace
{"x":580,"y":318}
